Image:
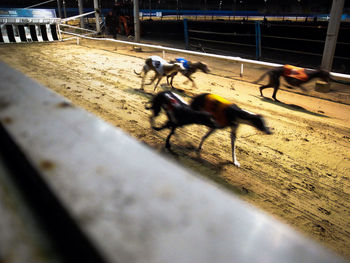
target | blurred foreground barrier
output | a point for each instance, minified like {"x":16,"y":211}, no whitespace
{"x":116,"y":200}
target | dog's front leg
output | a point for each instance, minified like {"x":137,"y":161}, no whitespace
{"x":168,"y":124}
{"x":193,"y":83}
{"x":152,"y":80}
{"x":167,"y":142}
{"x":233,"y":146}
{"x":157,"y":83}
{"x":203,"y":139}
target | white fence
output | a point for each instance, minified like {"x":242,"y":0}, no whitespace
{"x":227,"y":58}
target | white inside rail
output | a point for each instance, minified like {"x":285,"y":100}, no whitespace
{"x":80,"y":28}
{"x":133,"y":204}
{"x":229,"y":58}
{"x":77,"y":16}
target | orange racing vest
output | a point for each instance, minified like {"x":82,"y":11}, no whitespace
{"x":217,"y":105}
{"x":295,"y":72}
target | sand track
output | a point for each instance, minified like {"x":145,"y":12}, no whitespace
{"x":300,"y":174}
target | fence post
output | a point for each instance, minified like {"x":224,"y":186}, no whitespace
{"x":186,"y":32}
{"x":332,"y":34}
{"x":97,"y":16}
{"x":258,"y":40}
{"x":81,"y":11}
{"x":137,"y":21}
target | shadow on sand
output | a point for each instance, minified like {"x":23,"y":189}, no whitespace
{"x":291,"y":106}
{"x":188,"y":156}
{"x":163,"y":87}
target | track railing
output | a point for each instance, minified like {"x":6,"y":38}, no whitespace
{"x":163,"y":49}
{"x":266,"y":39}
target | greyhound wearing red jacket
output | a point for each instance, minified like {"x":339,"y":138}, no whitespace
{"x":294,"y":76}
{"x":227,"y":114}
{"x":178,"y":112}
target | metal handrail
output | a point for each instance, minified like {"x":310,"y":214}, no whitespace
{"x":228,"y":58}
{"x":264,"y":47}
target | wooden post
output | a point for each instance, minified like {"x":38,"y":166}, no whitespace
{"x":81,"y":11}
{"x":97,"y":15}
{"x":137,"y":21}
{"x":332,"y":34}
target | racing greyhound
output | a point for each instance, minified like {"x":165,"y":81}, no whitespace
{"x":161,"y":68}
{"x":190,"y":68}
{"x":178,"y":112}
{"x":227,"y":114}
{"x":294,"y":76}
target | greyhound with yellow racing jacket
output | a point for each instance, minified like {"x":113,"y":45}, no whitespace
{"x":227,"y":114}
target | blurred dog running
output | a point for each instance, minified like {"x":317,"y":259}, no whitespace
{"x":178,"y":112}
{"x":189,"y":69}
{"x":161,"y":68}
{"x":227,"y":114}
{"x":294,"y":76}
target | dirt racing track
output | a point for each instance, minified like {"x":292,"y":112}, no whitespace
{"x":300,"y":173}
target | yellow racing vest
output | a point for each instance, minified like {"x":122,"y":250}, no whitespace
{"x":217,"y":105}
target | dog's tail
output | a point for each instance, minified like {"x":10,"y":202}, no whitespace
{"x":261,"y":78}
{"x":137,"y":72}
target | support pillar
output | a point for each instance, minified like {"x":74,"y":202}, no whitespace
{"x":136,"y":21}
{"x":97,"y":15}
{"x":81,"y":11}
{"x":332,"y":34}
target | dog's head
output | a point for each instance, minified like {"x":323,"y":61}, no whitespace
{"x":203,"y":67}
{"x":179,"y":66}
{"x":260,"y":124}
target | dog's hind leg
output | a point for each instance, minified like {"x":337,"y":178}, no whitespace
{"x":233,"y":146}
{"x":276,"y":86}
{"x":264,"y":87}
{"x":171,"y":77}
